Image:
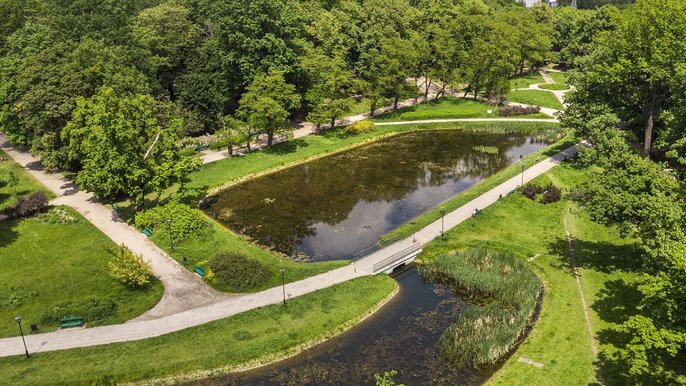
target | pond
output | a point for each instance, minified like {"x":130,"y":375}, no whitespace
{"x":402,"y":336}
{"x":337,"y":207}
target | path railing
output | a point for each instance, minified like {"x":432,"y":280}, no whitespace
{"x":412,"y":250}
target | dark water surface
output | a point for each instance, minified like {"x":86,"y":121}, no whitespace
{"x":402,"y":336}
{"x":337,"y":206}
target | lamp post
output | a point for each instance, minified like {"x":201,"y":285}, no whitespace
{"x":283,"y":284}
{"x":21,"y":331}
{"x":442,"y":222}
{"x":171,"y":239}
{"x":521,"y":163}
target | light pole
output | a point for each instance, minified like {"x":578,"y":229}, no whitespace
{"x":283,"y":284}
{"x":171,"y":239}
{"x":442,"y":222}
{"x":521,"y":163}
{"x":21,"y":331}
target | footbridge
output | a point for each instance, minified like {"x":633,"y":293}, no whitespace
{"x":403,"y":257}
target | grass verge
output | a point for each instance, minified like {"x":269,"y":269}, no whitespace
{"x":554,"y":86}
{"x":53,"y":270}
{"x":244,"y":340}
{"x":26,"y":184}
{"x":535,"y":98}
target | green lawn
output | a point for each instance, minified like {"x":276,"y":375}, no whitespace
{"x":217,"y":240}
{"x":535,"y":98}
{"x":524,"y":81}
{"x":558,"y":77}
{"x":559,"y":339}
{"x":254,"y":336}
{"x":554,"y":86}
{"x":448,"y":108}
{"x":26,"y":183}
{"x":45,"y":266}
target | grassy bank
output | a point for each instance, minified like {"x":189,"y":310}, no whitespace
{"x":448,"y":108}
{"x":484,"y":335}
{"x":256,"y":336}
{"x":535,"y":98}
{"x":52,"y":270}
{"x":216,"y":240}
{"x":475,"y":191}
{"x":26,"y":184}
{"x":559,"y":340}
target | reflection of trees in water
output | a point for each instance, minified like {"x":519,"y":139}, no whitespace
{"x":279,"y":209}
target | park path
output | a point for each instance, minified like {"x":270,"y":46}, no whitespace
{"x":559,"y":94}
{"x":183,"y":290}
{"x":142,"y":329}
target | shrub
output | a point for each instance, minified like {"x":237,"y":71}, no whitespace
{"x":185,"y":220}
{"x":360,"y":127}
{"x":551,"y":194}
{"x":484,"y":335}
{"x":530,"y":191}
{"x":92,"y":310}
{"x":28,"y":206}
{"x":57,"y":216}
{"x":129,"y":268}
{"x":486,"y":149}
{"x":510,"y":111}
{"x":237,"y":273}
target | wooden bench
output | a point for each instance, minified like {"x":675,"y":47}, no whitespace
{"x":147,"y":232}
{"x":200,"y":270}
{"x":72,"y":321}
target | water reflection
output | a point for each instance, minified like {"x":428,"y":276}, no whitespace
{"x":334,"y":207}
{"x":403,"y":336}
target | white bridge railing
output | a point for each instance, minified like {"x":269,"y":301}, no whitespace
{"x":398,"y":257}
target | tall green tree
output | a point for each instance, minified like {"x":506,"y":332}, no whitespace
{"x":126,"y":145}
{"x":266,"y":103}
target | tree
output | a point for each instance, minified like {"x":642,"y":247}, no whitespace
{"x":332,"y":86}
{"x":266,"y":102}
{"x":233,"y":132}
{"x":13,"y":181}
{"x":125,"y":144}
{"x":129,"y":267}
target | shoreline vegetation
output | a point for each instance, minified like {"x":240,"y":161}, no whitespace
{"x":267,"y":334}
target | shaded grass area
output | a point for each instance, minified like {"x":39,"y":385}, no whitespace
{"x":524,"y":81}
{"x":49,"y":270}
{"x":559,"y":77}
{"x":26,"y":184}
{"x":260,"y":335}
{"x":484,"y":335}
{"x":535,"y":98}
{"x":475,"y":191}
{"x":216,"y":240}
{"x":448,"y":108}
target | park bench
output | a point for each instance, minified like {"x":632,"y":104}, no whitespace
{"x":147,"y":232}
{"x":200,"y":270}
{"x":72,"y":321}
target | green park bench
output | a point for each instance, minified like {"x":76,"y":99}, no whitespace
{"x":147,"y":231}
{"x":200,"y":270}
{"x":72,"y":321}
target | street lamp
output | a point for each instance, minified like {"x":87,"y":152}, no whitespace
{"x":283,"y":284}
{"x":521,"y":163}
{"x":171,"y":239}
{"x":21,"y":331}
{"x":442,"y":210}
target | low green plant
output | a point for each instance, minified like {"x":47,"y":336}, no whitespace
{"x":57,"y":215}
{"x":486,"y":149}
{"x":360,"y":127}
{"x":236,"y":273}
{"x":483,"y":335}
{"x":129,"y":267}
{"x":186,"y":222}
{"x":92,"y":309}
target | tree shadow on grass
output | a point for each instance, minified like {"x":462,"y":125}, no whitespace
{"x":8,"y":233}
{"x":286,"y":147}
{"x":598,"y":256}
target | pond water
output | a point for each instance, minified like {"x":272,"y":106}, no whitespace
{"x":338,"y":206}
{"x":402,"y":336}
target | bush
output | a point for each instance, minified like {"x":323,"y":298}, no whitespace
{"x":510,"y":111}
{"x":186,"y":222}
{"x":530,"y":191}
{"x":28,"y":206}
{"x":129,"y":268}
{"x":484,"y":335}
{"x":237,"y":273}
{"x":57,"y":216}
{"x":360,"y":127}
{"x":92,"y":310}
{"x":551,"y":194}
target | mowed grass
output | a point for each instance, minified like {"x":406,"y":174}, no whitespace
{"x":26,"y":183}
{"x":535,"y":98}
{"x":257,"y":335}
{"x":559,"y":77}
{"x":47,"y":265}
{"x":554,"y":86}
{"x":217,"y":240}
{"x":448,"y":108}
{"x":524,"y":81}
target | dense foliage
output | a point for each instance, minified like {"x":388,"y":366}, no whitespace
{"x":236,"y":273}
{"x":484,"y":334}
{"x":185,"y":221}
{"x":129,"y":267}
{"x":28,"y":206}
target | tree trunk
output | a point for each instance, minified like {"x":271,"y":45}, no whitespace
{"x":230,"y":149}
{"x":270,"y":138}
{"x":440,"y":93}
{"x":416,"y":86}
{"x":427,"y":84}
{"x":395,"y":103}
{"x":333,"y":123}
{"x":649,"y":112}
{"x":373,"y":107}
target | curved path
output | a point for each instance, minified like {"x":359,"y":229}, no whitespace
{"x":141,"y":329}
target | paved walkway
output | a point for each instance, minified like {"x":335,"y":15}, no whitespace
{"x":183,"y":290}
{"x":141,"y":329}
{"x":552,"y":120}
